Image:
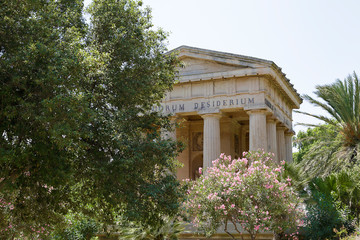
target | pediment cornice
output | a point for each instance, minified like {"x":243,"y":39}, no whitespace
{"x":221,"y":57}
{"x":247,"y":66}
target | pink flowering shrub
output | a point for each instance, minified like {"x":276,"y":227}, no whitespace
{"x":11,"y":230}
{"x":246,"y":192}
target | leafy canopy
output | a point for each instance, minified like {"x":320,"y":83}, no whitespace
{"x":335,"y":145}
{"x":318,"y":149}
{"x":76,"y":128}
{"x":333,"y":202}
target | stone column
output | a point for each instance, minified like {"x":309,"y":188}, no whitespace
{"x":183,"y":135}
{"x":226,"y":136}
{"x":257,"y":126}
{"x":271,"y":137}
{"x":288,"y":145}
{"x":211,"y":138}
{"x":280,"y":139}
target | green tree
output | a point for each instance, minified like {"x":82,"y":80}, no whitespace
{"x":333,"y":202}
{"x":339,"y":148}
{"x":321,"y":215}
{"x":317,"y":148}
{"x":78,"y":228}
{"x":77,"y":131}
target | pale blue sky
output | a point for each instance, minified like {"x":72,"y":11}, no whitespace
{"x":313,"y":41}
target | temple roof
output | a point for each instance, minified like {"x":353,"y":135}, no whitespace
{"x":216,"y":64}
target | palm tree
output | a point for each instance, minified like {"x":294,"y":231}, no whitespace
{"x":341,"y":100}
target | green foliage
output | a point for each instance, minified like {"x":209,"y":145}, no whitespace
{"x":248,"y":193}
{"x":319,"y":148}
{"x":341,"y":100}
{"x":169,"y":229}
{"x":299,"y":179}
{"x":328,"y":155}
{"x":353,"y":236}
{"x":318,"y":151}
{"x":77,"y":130}
{"x":304,"y":140}
{"x":321,"y":217}
{"x":340,"y":233}
{"x":78,"y":228}
{"x":334,"y":202}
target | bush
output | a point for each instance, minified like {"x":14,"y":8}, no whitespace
{"x":321,"y":217}
{"x":247,"y":192}
{"x":78,"y":229}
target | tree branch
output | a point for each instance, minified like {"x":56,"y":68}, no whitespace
{"x":236,"y":229}
{"x":225,"y":230}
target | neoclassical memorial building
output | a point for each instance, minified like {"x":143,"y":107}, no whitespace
{"x":229,"y":103}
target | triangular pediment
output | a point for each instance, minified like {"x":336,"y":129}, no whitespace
{"x":195,"y":66}
{"x":201,"y":61}
{"x":203,"y":65}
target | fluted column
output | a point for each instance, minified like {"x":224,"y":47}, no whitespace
{"x":183,"y":135}
{"x":288,"y":146}
{"x":257,"y":126}
{"x":280,"y":139}
{"x":226,"y":136}
{"x":271,"y":137}
{"x":211,"y":138}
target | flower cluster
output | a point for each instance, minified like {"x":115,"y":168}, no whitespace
{"x":8,"y":228}
{"x":247,"y":192}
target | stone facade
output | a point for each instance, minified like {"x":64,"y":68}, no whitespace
{"x":228,"y":103}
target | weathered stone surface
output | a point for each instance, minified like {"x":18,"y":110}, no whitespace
{"x":229,"y":103}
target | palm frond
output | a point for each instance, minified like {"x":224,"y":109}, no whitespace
{"x":321,"y":160}
{"x":341,"y":100}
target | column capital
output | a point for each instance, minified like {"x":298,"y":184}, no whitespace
{"x":281,"y":127}
{"x":271,"y":120}
{"x":258,"y":111}
{"x":289,"y":132}
{"x":211,"y":115}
